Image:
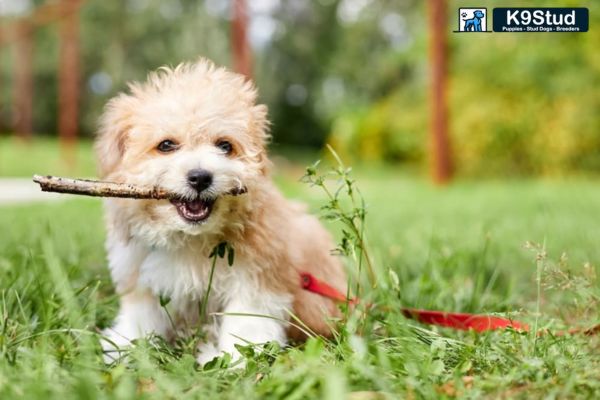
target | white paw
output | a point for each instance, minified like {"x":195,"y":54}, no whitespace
{"x":207,"y":352}
{"x":114,"y":345}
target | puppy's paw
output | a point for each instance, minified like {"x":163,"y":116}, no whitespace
{"x":114,"y":345}
{"x":208,"y":352}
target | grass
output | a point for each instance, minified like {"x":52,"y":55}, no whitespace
{"x":44,"y":155}
{"x":461,"y":248}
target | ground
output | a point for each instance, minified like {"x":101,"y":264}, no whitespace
{"x":460,"y":248}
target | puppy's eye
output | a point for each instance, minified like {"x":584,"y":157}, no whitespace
{"x":167,"y":146}
{"x":224,"y":145}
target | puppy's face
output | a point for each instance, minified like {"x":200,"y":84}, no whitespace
{"x":194,"y":131}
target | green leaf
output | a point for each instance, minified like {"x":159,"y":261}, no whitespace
{"x":245,"y":350}
{"x":230,"y":255}
{"x":437,"y":368}
{"x":164,"y":300}
{"x":221,"y":249}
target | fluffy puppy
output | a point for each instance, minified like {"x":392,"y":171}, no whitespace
{"x":196,"y":130}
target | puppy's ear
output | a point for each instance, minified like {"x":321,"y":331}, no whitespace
{"x":111,"y":140}
{"x":261,"y":127}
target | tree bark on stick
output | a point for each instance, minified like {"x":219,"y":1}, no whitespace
{"x":88,"y":187}
{"x":98,"y":188}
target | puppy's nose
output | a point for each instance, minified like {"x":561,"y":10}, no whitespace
{"x":199,"y":179}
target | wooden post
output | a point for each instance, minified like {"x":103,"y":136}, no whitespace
{"x":242,"y":55}
{"x":441,"y":159}
{"x":3,"y":125}
{"x":68,"y":77}
{"x":23,"y":86}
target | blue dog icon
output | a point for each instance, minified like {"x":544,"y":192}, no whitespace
{"x":473,"y":24}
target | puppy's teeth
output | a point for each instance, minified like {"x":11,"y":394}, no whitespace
{"x":194,"y":210}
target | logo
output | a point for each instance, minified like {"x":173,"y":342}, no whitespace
{"x":541,"y":19}
{"x":524,"y":19}
{"x":472,"y":20}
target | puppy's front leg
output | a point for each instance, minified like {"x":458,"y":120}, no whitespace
{"x":140,"y":314}
{"x":239,"y":326}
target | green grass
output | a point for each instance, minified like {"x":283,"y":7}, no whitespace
{"x":44,"y":155}
{"x":459,"y":248}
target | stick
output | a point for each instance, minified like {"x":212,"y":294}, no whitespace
{"x":88,"y":187}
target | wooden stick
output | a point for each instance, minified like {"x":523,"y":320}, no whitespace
{"x":88,"y":187}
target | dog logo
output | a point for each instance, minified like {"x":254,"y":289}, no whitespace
{"x":472,"y":20}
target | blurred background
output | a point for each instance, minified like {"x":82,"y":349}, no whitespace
{"x":385,"y":82}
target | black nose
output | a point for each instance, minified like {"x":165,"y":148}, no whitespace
{"x":199,"y":179}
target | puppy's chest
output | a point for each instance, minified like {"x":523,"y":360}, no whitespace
{"x":186,"y":277}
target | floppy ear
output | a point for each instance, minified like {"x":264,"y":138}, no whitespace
{"x":111,"y":140}
{"x":261,"y":127}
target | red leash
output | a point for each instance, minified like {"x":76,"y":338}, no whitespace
{"x":462,"y":321}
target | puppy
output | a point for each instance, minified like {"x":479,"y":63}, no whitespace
{"x":197,"y":131}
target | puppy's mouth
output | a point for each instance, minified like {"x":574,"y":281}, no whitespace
{"x":194,"y":211}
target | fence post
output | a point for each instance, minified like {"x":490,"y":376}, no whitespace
{"x":23,"y":86}
{"x":242,"y":56}
{"x":441,"y":159}
{"x":68,"y":77}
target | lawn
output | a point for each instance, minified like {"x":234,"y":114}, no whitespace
{"x":461,"y":248}
{"x":45,"y":155}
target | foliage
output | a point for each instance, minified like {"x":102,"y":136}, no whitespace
{"x":322,"y":51}
{"x":120,"y":41}
{"x":520,"y":104}
{"x":458,"y":249}
{"x":351,"y":217}
{"x":354,"y":74}
{"x":311,"y":64}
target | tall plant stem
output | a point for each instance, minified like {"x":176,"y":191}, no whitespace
{"x":207,"y":293}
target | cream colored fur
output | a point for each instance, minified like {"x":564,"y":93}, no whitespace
{"x":152,"y":251}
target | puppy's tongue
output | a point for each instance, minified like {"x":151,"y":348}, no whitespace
{"x":194,"y":210}
{"x":195,"y":206}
